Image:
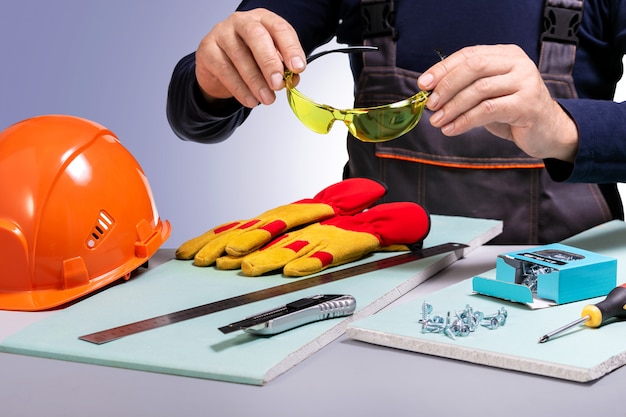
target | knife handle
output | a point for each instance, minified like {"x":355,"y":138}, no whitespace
{"x":338,"y":307}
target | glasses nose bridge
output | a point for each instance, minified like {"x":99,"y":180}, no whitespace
{"x":335,"y":115}
{"x":341,"y":115}
{"x":345,"y":116}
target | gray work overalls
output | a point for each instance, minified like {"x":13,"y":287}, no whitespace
{"x":475,"y":174}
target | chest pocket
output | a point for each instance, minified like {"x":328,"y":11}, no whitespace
{"x":475,"y":149}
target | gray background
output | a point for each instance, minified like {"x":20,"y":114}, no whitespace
{"x":111,"y":62}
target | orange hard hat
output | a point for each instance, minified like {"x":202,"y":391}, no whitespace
{"x":76,"y":212}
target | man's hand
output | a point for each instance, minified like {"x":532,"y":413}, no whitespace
{"x":500,"y":88}
{"x":245,"y":57}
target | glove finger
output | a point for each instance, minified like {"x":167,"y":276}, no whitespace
{"x":352,"y":195}
{"x":190,"y":248}
{"x":207,"y":255}
{"x":342,"y":246}
{"x":276,"y":222}
{"x":398,"y":223}
{"x":277,"y":254}
{"x":228,"y":262}
{"x":248,"y":242}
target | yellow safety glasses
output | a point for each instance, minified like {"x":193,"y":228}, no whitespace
{"x":369,"y":124}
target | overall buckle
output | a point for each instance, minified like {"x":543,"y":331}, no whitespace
{"x":378,"y":18}
{"x":561,"y":24}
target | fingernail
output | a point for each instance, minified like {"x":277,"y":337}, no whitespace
{"x":433,"y":101}
{"x":297,"y":63}
{"x":277,"y":80}
{"x":267,"y":97}
{"x":251,"y":102}
{"x":447,"y":129}
{"x":436,"y":118}
{"x":426,"y":81}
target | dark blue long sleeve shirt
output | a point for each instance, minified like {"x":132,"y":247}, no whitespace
{"x":450,"y":25}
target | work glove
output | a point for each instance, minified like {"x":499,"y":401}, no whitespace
{"x":239,"y":238}
{"x":340,"y":240}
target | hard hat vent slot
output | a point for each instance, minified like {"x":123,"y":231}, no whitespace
{"x":103,"y":225}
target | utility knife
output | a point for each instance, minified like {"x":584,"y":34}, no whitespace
{"x":295,"y":314}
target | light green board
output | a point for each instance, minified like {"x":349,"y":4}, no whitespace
{"x":196,"y":347}
{"x":582,"y":354}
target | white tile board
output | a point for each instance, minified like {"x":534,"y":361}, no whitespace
{"x":581,"y":355}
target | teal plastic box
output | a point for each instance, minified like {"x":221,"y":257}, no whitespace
{"x":558,"y":273}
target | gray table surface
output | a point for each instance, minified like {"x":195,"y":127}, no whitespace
{"x":346,"y":377}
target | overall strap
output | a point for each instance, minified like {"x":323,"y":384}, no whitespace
{"x":561,"y":20}
{"x":379,"y":31}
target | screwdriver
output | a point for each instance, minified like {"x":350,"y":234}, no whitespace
{"x":594,"y":315}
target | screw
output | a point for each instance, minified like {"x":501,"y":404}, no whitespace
{"x":501,"y":312}
{"x":459,"y":328}
{"x":491,"y":323}
{"x":466,"y":313}
{"x":448,"y":332}
{"x":426,"y":310}
{"x":478,"y":317}
{"x":429,"y":326}
{"x":530,"y":281}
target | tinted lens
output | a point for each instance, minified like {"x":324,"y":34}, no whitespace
{"x":374,"y":124}
{"x":316,"y":117}
{"x":380,"y":124}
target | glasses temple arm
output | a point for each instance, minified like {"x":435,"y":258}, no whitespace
{"x":346,"y":50}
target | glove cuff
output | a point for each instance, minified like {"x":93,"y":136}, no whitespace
{"x":349,"y":196}
{"x":392,"y":223}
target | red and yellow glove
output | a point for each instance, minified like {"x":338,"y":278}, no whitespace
{"x":340,"y":240}
{"x":239,"y":238}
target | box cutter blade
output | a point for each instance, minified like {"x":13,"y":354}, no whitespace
{"x":295,"y":314}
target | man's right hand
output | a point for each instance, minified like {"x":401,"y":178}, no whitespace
{"x":245,"y":57}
